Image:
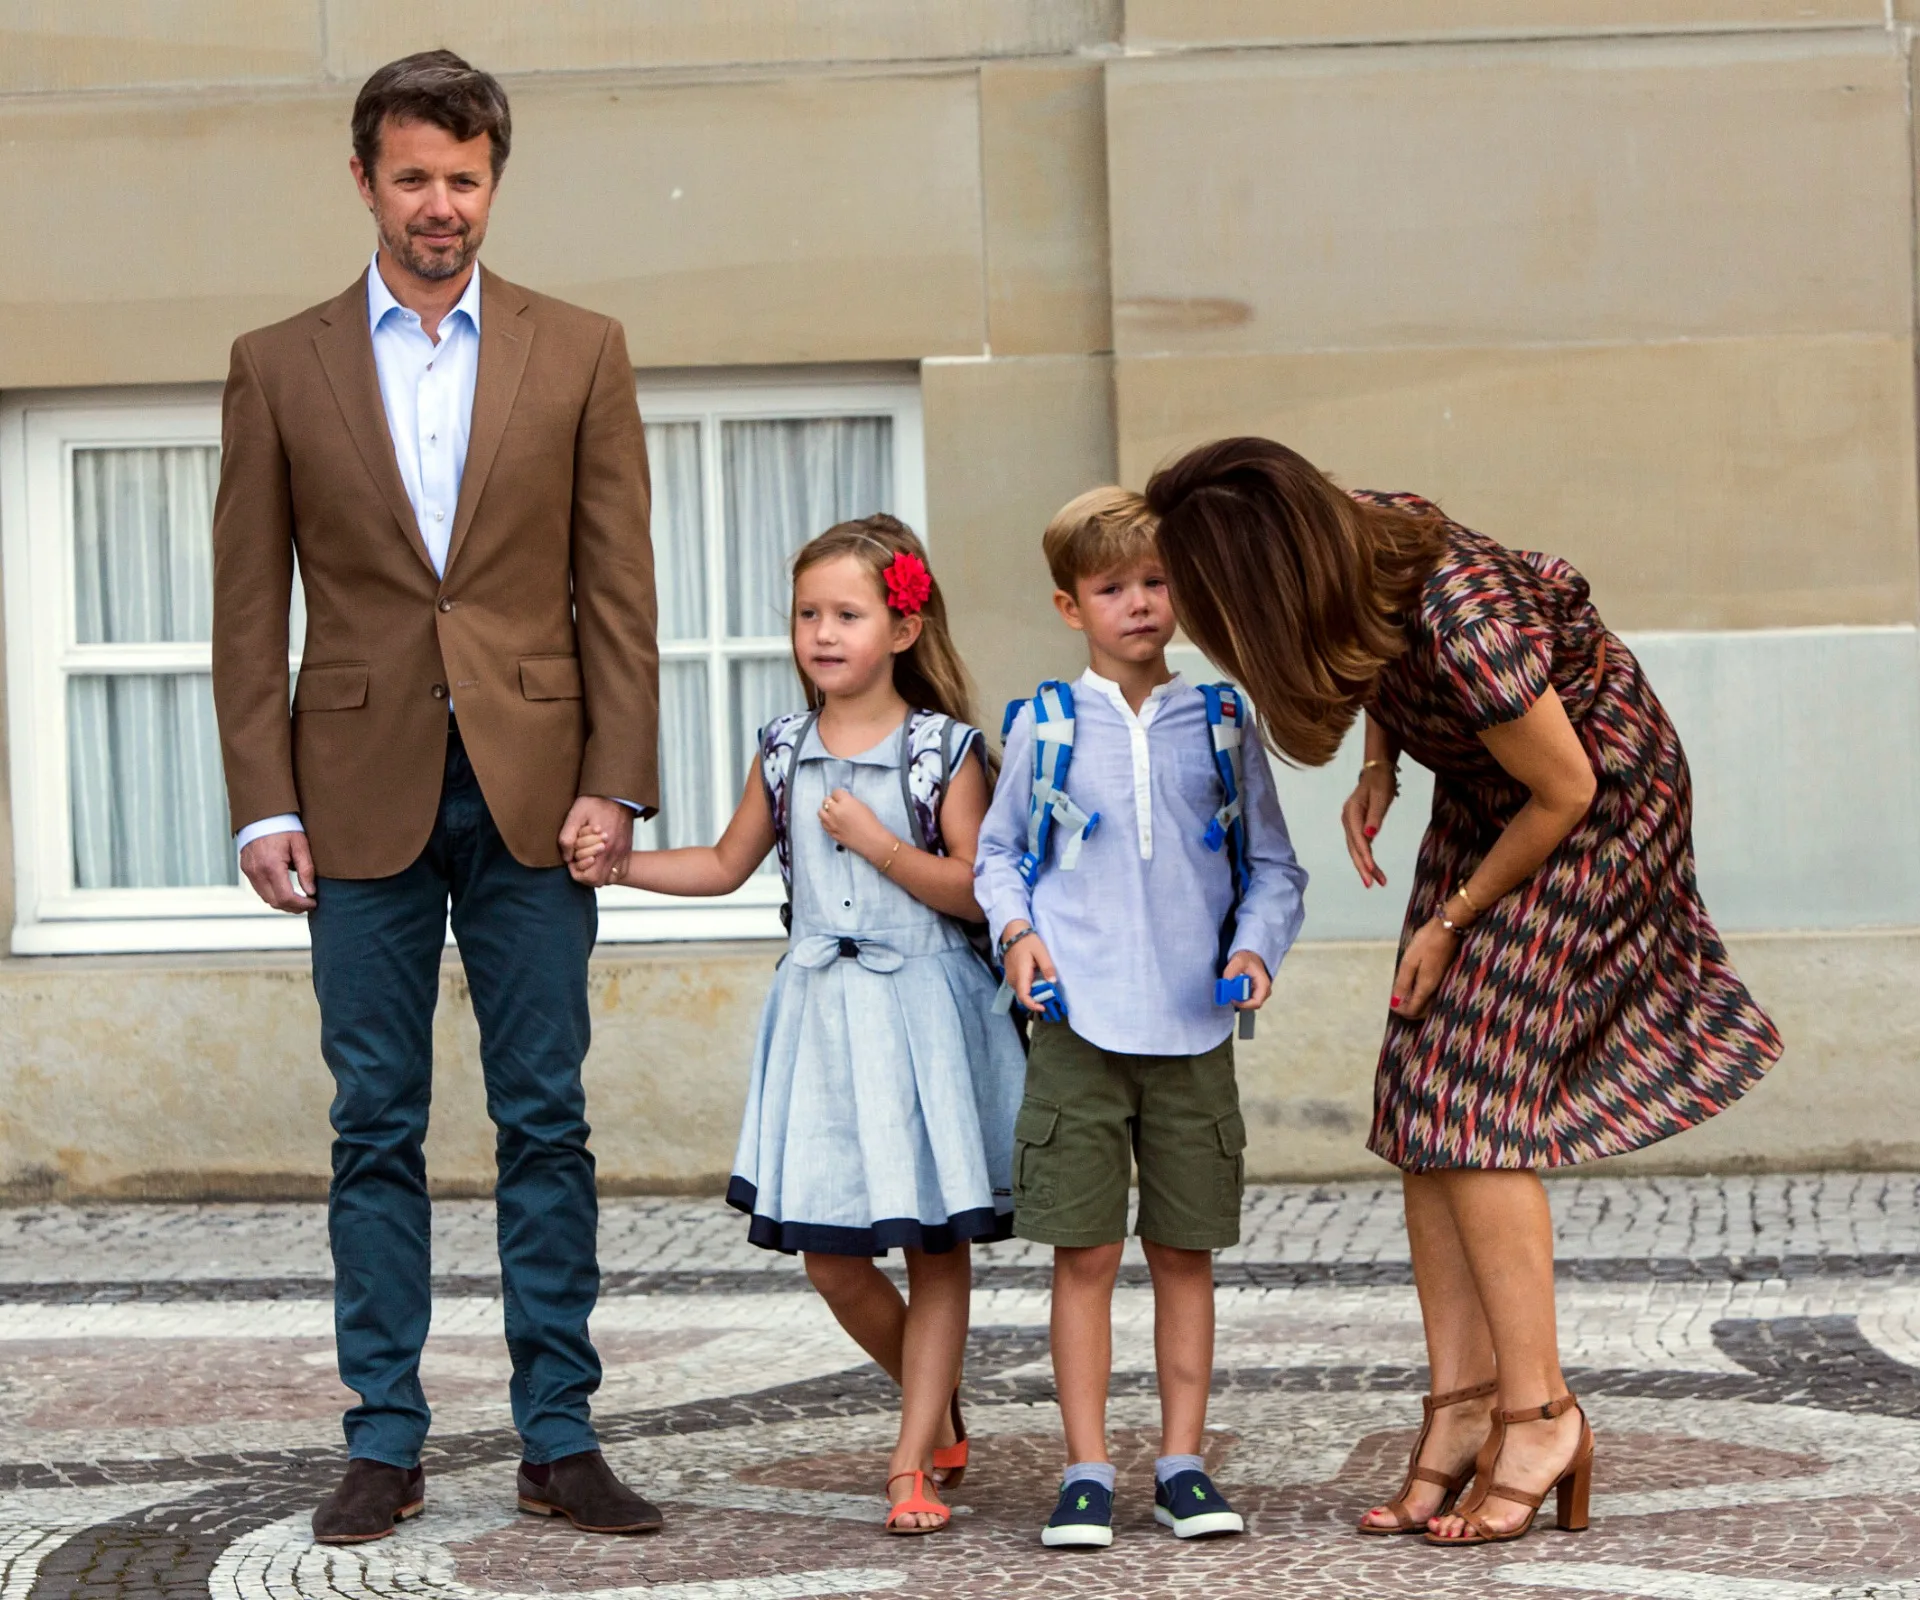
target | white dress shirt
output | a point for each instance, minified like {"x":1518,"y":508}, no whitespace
{"x":1134,"y":928}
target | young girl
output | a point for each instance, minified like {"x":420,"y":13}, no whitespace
{"x":880,"y":1111}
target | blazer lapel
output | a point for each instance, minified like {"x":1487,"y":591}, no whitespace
{"x":345,"y":348}
{"x":506,"y":337}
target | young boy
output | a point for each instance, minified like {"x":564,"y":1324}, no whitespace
{"x":1142,"y":1067}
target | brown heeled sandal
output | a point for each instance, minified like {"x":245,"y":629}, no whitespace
{"x":1403,"y":1523}
{"x":1572,"y":1488}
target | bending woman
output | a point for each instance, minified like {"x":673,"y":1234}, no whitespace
{"x":1561,"y":993}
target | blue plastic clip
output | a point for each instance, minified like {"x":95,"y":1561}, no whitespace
{"x":1230,"y":991}
{"x":1030,"y":868}
{"x":1213,"y":839}
{"x":1053,"y":1007}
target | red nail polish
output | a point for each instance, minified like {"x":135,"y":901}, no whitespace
{"x":1371,"y":832}
{"x":1394,"y":1001}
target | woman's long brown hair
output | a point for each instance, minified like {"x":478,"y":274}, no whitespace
{"x":929,"y":673}
{"x":1290,"y":585}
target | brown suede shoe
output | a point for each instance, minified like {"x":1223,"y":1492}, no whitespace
{"x":583,"y":1489}
{"x":371,"y":1498}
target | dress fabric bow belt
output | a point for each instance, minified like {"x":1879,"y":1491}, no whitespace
{"x":822,"y":950}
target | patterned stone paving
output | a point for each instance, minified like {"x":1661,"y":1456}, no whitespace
{"x":1750,"y":1350}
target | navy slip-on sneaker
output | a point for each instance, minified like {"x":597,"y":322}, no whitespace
{"x":1189,"y":1504}
{"x":1083,"y":1518}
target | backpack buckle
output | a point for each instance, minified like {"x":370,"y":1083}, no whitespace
{"x":1030,"y":868}
{"x":1215,"y":837}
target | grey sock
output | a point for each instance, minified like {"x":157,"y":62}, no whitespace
{"x":1100,"y":1472}
{"x":1167,"y":1467}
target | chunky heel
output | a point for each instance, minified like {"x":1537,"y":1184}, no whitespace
{"x":1570,"y":1495}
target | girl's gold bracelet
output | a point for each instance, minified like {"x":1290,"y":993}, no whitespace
{"x":886,"y":867}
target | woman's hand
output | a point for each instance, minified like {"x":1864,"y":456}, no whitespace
{"x":850,"y":821}
{"x":1429,"y":953}
{"x":1361,"y":816}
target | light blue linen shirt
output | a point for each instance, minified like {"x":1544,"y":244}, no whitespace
{"x":1134,"y":928}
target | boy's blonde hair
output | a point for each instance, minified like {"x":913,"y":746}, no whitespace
{"x":1097,"y":531}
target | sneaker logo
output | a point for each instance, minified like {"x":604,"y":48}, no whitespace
{"x":1199,"y":1493}
{"x":1080,"y":1504}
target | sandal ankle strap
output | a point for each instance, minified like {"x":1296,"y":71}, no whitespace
{"x":1545,"y":1413}
{"x":1454,"y":1397}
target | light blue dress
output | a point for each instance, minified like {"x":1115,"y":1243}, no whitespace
{"x":880,"y":1111}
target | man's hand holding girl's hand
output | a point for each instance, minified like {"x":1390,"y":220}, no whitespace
{"x":1245,"y":964}
{"x":596,"y":841}
{"x":1026,"y":964}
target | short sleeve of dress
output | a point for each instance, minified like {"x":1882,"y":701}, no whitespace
{"x":1495,"y":669}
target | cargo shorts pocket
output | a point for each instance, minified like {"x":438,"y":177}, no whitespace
{"x":1033,"y":1154}
{"x":1231,"y":1131}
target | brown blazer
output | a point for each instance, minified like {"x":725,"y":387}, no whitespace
{"x":542,"y":630}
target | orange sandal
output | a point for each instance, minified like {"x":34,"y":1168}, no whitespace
{"x":917,"y":1504}
{"x":1571,"y":1489}
{"x":1450,"y":1487}
{"x":950,"y":1460}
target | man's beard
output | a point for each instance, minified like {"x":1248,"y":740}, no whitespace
{"x":434,"y":265}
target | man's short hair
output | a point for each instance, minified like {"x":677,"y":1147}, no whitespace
{"x":1098,"y":531}
{"x":436,"y":87}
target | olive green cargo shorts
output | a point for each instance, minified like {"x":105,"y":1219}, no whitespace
{"x":1090,"y":1114}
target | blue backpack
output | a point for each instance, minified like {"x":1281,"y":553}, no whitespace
{"x":1053,"y":728}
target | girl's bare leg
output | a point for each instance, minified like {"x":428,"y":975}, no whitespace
{"x":864,"y":1301}
{"x":1459,"y":1345}
{"x":1506,"y":1232}
{"x":934,"y":1341}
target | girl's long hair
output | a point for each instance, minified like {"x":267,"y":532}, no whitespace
{"x":929,"y":673}
{"x":1297,"y":590}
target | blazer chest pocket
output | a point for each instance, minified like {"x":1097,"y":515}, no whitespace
{"x":550,"y":677}
{"x":341,"y":686}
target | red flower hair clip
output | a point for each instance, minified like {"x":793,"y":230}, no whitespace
{"x":909,"y":584}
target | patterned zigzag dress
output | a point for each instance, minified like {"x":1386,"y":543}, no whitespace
{"x":1592,"y":1010}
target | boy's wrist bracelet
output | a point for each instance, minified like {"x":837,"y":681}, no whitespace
{"x":1011,"y":940}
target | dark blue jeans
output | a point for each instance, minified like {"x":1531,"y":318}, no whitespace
{"x":524,"y":935}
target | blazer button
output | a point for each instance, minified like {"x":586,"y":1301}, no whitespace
{"x":439,"y":691}
{"x":446,"y":605}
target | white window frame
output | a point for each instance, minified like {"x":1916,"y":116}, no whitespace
{"x":752,"y":911}
{"x":39,"y":432}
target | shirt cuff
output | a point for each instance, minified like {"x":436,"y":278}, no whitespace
{"x":286,"y":822}
{"x":638,"y":810}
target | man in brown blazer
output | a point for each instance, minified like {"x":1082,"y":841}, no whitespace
{"x":458,"y":467}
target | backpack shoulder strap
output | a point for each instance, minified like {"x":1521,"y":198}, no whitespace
{"x":1053,"y":729}
{"x":780,"y":744}
{"x":1226,"y":727}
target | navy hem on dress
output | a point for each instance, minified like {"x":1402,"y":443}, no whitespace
{"x":982,"y":1225}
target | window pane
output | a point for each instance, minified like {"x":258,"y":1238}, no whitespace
{"x":686,"y":791}
{"x":148,"y":802}
{"x":762,"y":690}
{"x":143,"y":544}
{"x":679,"y":550}
{"x":785,"y":482}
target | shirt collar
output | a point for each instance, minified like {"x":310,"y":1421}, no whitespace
{"x":883,"y":754}
{"x":380,"y":300}
{"x":1159,"y":692}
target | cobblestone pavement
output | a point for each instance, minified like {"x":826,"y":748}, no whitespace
{"x":1749,"y":1350}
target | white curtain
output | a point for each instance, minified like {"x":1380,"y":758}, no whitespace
{"x":679,"y":545}
{"x":148,"y":801}
{"x":786,"y":482}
